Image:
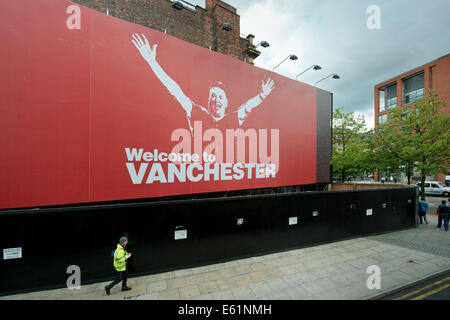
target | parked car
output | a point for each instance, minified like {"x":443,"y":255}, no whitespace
{"x":436,"y":188}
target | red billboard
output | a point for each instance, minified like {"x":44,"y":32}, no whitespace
{"x":95,"y":108}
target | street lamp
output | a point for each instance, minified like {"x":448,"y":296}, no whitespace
{"x":263,"y":44}
{"x":291,"y":56}
{"x":334,"y":75}
{"x":226,"y":27}
{"x":177,"y":5}
{"x":315,"y":67}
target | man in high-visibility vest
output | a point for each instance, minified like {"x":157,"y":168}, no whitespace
{"x":120,"y":264}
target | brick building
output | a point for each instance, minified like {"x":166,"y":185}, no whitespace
{"x":193,"y":24}
{"x":404,"y":90}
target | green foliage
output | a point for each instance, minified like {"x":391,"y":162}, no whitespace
{"x":352,"y":145}
{"x":415,"y":139}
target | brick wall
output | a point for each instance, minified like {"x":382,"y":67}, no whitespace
{"x":441,"y":84}
{"x":196,"y":25}
{"x":440,"y":75}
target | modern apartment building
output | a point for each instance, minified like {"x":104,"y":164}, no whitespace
{"x":405,"y":89}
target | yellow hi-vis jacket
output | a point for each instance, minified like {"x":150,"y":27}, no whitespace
{"x":120,"y":258}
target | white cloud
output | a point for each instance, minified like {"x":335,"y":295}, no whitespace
{"x":368,"y":117}
{"x":335,"y":35}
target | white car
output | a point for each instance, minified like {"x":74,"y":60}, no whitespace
{"x":436,"y":188}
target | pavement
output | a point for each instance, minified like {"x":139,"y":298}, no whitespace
{"x":333,"y":271}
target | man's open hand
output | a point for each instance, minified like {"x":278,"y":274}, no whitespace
{"x":267,"y":87}
{"x":148,"y":53}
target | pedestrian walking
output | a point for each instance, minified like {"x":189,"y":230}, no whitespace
{"x":443,"y":212}
{"x":120,"y":264}
{"x":423,"y":209}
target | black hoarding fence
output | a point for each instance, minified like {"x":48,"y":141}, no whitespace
{"x":178,"y":234}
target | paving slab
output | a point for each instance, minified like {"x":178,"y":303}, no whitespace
{"x":170,"y":294}
{"x":155,"y":286}
{"x":189,"y":292}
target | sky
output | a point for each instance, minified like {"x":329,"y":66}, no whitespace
{"x":335,"y":35}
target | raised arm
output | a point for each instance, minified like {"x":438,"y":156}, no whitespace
{"x":246,"y":108}
{"x":149,"y":55}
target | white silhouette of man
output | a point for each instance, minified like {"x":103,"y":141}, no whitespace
{"x":216,"y":115}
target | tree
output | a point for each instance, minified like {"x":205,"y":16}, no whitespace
{"x":388,"y":165}
{"x":416,"y":138}
{"x":352,"y":154}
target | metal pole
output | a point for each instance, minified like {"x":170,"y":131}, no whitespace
{"x":215,"y":37}
{"x":168,"y":20}
{"x":282,"y":62}
{"x":324,"y":79}
{"x":305,"y":71}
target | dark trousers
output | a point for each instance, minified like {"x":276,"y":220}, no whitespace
{"x":120,"y":276}
{"x":445,"y":218}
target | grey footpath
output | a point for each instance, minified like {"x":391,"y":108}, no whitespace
{"x":334,"y":271}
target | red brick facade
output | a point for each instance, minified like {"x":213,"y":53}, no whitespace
{"x":436,"y":76}
{"x":193,"y":24}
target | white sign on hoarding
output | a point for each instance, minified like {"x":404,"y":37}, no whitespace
{"x":12,"y":253}
{"x":180,"y":234}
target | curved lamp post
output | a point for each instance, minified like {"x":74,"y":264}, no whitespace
{"x":263,"y":44}
{"x":334,"y":75}
{"x":315,"y":67}
{"x":226,"y":27}
{"x":177,"y":5}
{"x":291,"y":56}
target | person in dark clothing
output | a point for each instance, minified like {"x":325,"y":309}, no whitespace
{"x":120,"y":264}
{"x":443,"y":212}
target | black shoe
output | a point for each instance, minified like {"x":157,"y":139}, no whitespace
{"x":126,"y":289}
{"x":107,"y":290}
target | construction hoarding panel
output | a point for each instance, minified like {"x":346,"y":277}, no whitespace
{"x":98,"y":109}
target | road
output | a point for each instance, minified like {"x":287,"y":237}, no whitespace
{"x":435,"y":200}
{"x":436,"y":289}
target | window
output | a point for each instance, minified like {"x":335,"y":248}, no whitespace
{"x":391,"y":96}
{"x":382,"y":119}
{"x":431,"y":77}
{"x":406,"y":113}
{"x":382,"y":101}
{"x":426,"y":185}
{"x":413,"y":88}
